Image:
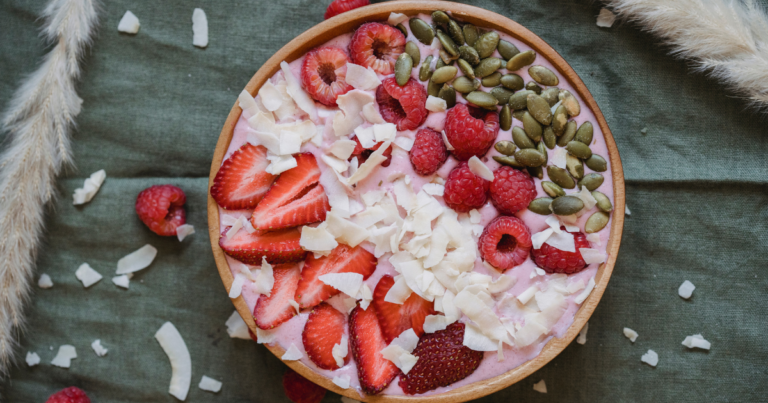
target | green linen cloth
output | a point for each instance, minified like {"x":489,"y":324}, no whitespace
{"x":697,"y":185}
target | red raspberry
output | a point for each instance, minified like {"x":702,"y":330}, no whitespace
{"x":341,"y":6}
{"x":428,"y":153}
{"x":69,"y":395}
{"x":468,"y":135}
{"x":300,"y":389}
{"x":362,"y":154}
{"x":554,"y":260}
{"x":161,"y":208}
{"x":511,"y":190}
{"x":377,"y":46}
{"x":505,"y":242}
{"x":404,"y":106}
{"x":323,"y":74}
{"x":464,"y":190}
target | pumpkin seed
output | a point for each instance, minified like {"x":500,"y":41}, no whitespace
{"x":422,"y":31}
{"x":549,"y":138}
{"x":521,"y":139}
{"x":469,"y":54}
{"x":464,"y":85}
{"x":466,"y":68}
{"x":543,"y":150}
{"x":402,"y":29}
{"x":552,"y":189}
{"x":539,"y":109}
{"x":433,"y":88}
{"x":444,"y":74}
{"x":425,"y":72}
{"x":507,"y":50}
{"x":512,"y":81}
{"x":574,"y":166}
{"x":596,"y":222}
{"x":413,"y":50}
{"x":519,"y":100}
{"x":603,"y":202}
{"x":596,"y":163}
{"x":536,"y":172}
{"x":532,"y":86}
{"x":568,"y":135}
{"x":486,"y":44}
{"x":543,"y":76}
{"x":487,"y":67}
{"x":448,"y":94}
{"x":482,"y":99}
{"x":551,"y":94}
{"x":584,"y":134}
{"x":508,"y":161}
{"x":521,"y":60}
{"x":578,"y":149}
{"x":530,"y":157}
{"x":454,"y":31}
{"x":505,"y":147}
{"x":518,"y":114}
{"x":561,"y":177}
{"x":446,"y":57}
{"x":470,"y":34}
{"x":567,"y":205}
{"x":448,"y":44}
{"x":441,"y":63}
{"x":403,"y":68}
{"x":492,"y":81}
{"x":440,"y":18}
{"x":571,"y":104}
{"x":502,"y":94}
{"x":591,"y":181}
{"x":559,"y":120}
{"x":541,"y":206}
{"x":505,"y":117}
{"x":532,"y":127}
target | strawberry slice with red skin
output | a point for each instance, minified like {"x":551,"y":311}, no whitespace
{"x":273,"y":310}
{"x":296,"y":198}
{"x":242,"y":180}
{"x":323,"y":330}
{"x":343,"y":259}
{"x":323,"y":74}
{"x":277,"y":246}
{"x":394,"y":318}
{"x":366,"y":342}
{"x":377,"y":46}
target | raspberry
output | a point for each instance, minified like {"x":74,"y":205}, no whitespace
{"x":469,"y":135}
{"x":464,"y":190}
{"x":404,"y":106}
{"x":341,"y":6}
{"x":161,"y":208}
{"x":505,"y":242}
{"x":377,"y":46}
{"x":301,"y":390}
{"x":362,"y":154}
{"x":428,"y":152}
{"x":69,"y":395}
{"x":554,"y":260}
{"x":511,"y":190}
{"x":323,"y":74}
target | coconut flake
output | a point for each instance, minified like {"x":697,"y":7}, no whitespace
{"x":299,"y":96}
{"x":344,"y":230}
{"x":348,"y":283}
{"x":45,"y":281}
{"x":696,"y":341}
{"x":587,"y":198}
{"x":474,"y":306}
{"x":399,"y":350}
{"x":184,"y":230}
{"x":584,"y":294}
{"x":340,"y":350}
{"x":181,"y":363}
{"x":248,"y":104}
{"x":445,"y":140}
{"x":32,"y":359}
{"x":209,"y":384}
{"x":592,"y":255}
{"x":280,"y":163}
{"x":350,"y":104}
{"x":237,"y":286}
{"x":540,"y":386}
{"x":650,"y":358}
{"x":434,"y":189}
{"x":64,"y":357}
{"x":137,"y":260}
{"x":129,"y":24}
{"x":98,"y":348}
{"x":290,"y":142}
{"x":341,"y":381}
{"x":563,"y":241}
{"x":236,"y":327}
{"x":559,"y":157}
{"x":371,"y":114}
{"x":406,"y":143}
{"x":478,"y":168}
{"x":503,"y":283}
{"x":265,"y":280}
{"x":606,"y":18}
{"x":317,"y":239}
{"x":292,"y":354}
{"x":199,"y":30}
{"x":123,"y":280}
{"x":265,"y":336}
{"x":476,"y":340}
{"x":528,"y":294}
{"x":399,"y":292}
{"x":540,"y":238}
{"x":575,"y":286}
{"x":90,"y":187}
{"x":270,"y":96}
{"x":361,"y":78}
{"x":335,"y":163}
{"x":435,"y":323}
{"x":370,"y":164}
{"x":594,"y":239}
{"x":435,"y":104}
{"x":630,"y":334}
{"x":582,"y":339}
{"x":626,"y":210}
{"x":342,"y":149}
{"x":396,"y":18}
{"x":87,"y":275}
{"x":686,"y":289}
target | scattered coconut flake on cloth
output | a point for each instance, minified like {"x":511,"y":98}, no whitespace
{"x":650,"y":358}
{"x":45,"y":281}
{"x":199,"y":28}
{"x":137,"y":260}
{"x":696,"y":341}
{"x":626,"y":210}
{"x":181,"y":363}
{"x":32,"y":359}
{"x":540,"y":386}
{"x":123,"y":281}
{"x":90,"y":188}
{"x":582,"y":339}
{"x":87,"y":275}
{"x":630,"y":334}
{"x":606,"y":18}
{"x":686,"y":289}
{"x":98,"y":348}
{"x":236,"y":327}
{"x":129,"y":24}
{"x":209,"y":384}
{"x":185,"y":230}
{"x":64,"y":357}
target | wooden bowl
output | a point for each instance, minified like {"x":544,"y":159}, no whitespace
{"x":347,"y":22}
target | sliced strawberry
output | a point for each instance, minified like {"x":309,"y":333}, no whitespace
{"x":323,"y":74}
{"x":366,"y":342}
{"x":271,"y":311}
{"x":242,"y":180}
{"x":296,"y":198}
{"x":394,"y":318}
{"x":323,"y":330}
{"x":343,"y":259}
{"x":278,"y":246}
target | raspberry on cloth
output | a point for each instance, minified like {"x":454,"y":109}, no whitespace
{"x":161,"y":209}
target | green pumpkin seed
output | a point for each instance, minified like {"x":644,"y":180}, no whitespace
{"x":597,"y":163}
{"x":574,"y":166}
{"x":532,"y":127}
{"x":561,"y":177}
{"x":403,"y":68}
{"x":591,"y":181}
{"x":454,"y":31}
{"x":440,"y":63}
{"x":433,"y":88}
{"x":448,"y":44}
{"x":596,"y":222}
{"x":448,"y":94}
{"x":502,"y":94}
{"x":536,"y":172}
{"x":518,"y":114}
{"x":444,"y":74}
{"x":567,"y":205}
{"x":559,"y":120}
{"x":584,"y":134}
{"x":482,"y":99}
{"x":505,"y":117}
{"x":469,"y":54}
{"x":464,"y":85}
{"x":543,"y":76}
{"x":519,"y":100}
{"x":521,"y":139}
{"x":470,"y":34}
{"x":530,"y":157}
{"x":549,"y":138}
{"x":507,"y":50}
{"x":486,"y":44}
{"x":552,"y":189}
{"x":422,"y":31}
{"x":543,"y":150}
{"x":492,"y":81}
{"x":512,"y":81}
{"x":539,"y":109}
{"x":402,"y":29}
{"x":521,"y":60}
{"x":425,"y":72}
{"x":413,"y":50}
{"x":578,"y":149}
{"x":532,"y":86}
{"x":571,"y":104}
{"x":541,"y":206}
{"x":466,"y":68}
{"x":551,"y":94}
{"x":505,"y":147}
{"x":446,"y":57}
{"x":508,"y":161}
{"x":440,"y":18}
{"x":603,"y":202}
{"x":487,"y":67}
{"x":568,"y":135}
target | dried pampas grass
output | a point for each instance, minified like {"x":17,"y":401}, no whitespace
{"x":38,"y":122}
{"x":728,"y":39}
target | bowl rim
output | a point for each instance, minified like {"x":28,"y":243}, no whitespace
{"x":345,"y":23}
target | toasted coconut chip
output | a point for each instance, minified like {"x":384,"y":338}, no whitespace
{"x":350,"y":104}
{"x":361,"y":78}
{"x":540,"y":238}
{"x":370,"y":164}
{"x":447,"y":143}
{"x":237,"y":286}
{"x":384,"y":132}
{"x":290,"y":142}
{"x":348,"y":283}
{"x":592,"y":255}
{"x":584,"y":294}
{"x":563,"y":241}
{"x":129,"y":24}
{"x":594,"y":238}
{"x":248,"y":104}
{"x":137,"y":260}
{"x":478,"y":168}
{"x":540,"y":386}
{"x":435,"y":323}
{"x":586,"y":196}
{"x":435,"y":104}
{"x":476,"y":340}
{"x":317,"y":239}
{"x":399,"y":292}
{"x":199,"y":30}
{"x":209,"y":384}
{"x":371,"y":114}
{"x":266,"y":336}
{"x":396,"y":18}
{"x":342,"y":149}
{"x":181,"y":363}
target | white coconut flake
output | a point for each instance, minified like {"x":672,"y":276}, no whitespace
{"x":32,"y":359}
{"x":435,"y":323}
{"x":280,"y":163}
{"x":587,"y":198}
{"x":299,"y":96}
{"x":98,"y":348}
{"x":184,"y":230}
{"x":341,"y":381}
{"x":582,"y":339}
{"x":526,"y":295}
{"x":503,"y":283}
{"x":650,"y":358}
{"x":563,"y":241}
{"x":697,"y":341}
{"x":396,"y":18}
{"x":540,"y":238}
{"x":270,"y":96}
{"x":384,"y":132}
{"x":340,"y":350}
{"x":335,"y":163}
{"x":44,"y":281}
{"x":209,"y":384}
{"x":594,"y":238}
{"x":181,"y":364}
{"x":584,"y":294}
{"x":342,"y":149}
{"x":87,"y":275}
{"x":406,"y":143}
{"x":317,"y":239}
{"x":292,"y":354}
{"x":626,"y":210}
{"x":369,"y":165}
{"x":540,"y":386}
{"x":475,"y":306}
{"x":476,"y":340}
{"x":630,"y":334}
{"x":686,"y":289}
{"x":559,"y":157}
{"x":248,"y":104}
{"x":199,"y":30}
{"x":64,"y":357}
{"x":348,"y":283}
{"x":399,"y":292}
{"x":137,"y":260}
{"x":350,"y":104}
{"x":129,"y":24}
{"x":592,"y":255}
{"x":445,"y":140}
{"x":606,"y":18}
{"x":478,"y":168}
{"x":237,"y":285}
{"x":435,"y":104}
{"x":123,"y":280}
{"x":345,"y":231}
{"x":371,"y":114}
{"x":236,"y":327}
{"x":265,"y":280}
{"x":266,"y":336}
{"x":434,"y":189}
{"x":90,"y":187}
{"x":361,"y":78}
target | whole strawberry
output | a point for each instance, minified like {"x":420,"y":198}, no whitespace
{"x":342,"y":6}
{"x":554,"y":260}
{"x":161,"y":208}
{"x":300,"y":389}
{"x":511,"y":190}
{"x":464,"y":190}
{"x":468,"y":135}
{"x":428,"y":152}
{"x":69,"y":395}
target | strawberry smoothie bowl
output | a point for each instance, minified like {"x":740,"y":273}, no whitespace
{"x":416,"y":201}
